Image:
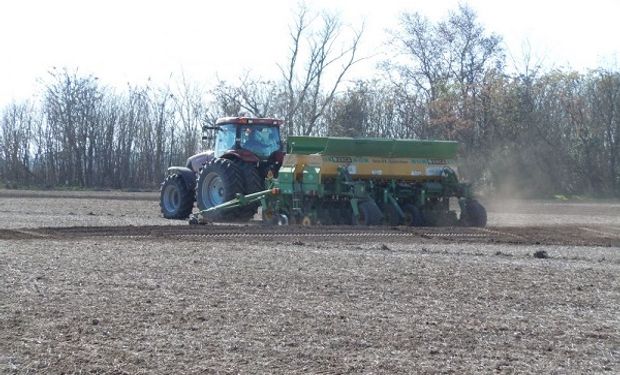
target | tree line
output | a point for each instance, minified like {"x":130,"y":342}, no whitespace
{"x":527,"y":131}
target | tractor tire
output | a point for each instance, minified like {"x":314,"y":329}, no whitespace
{"x":218,"y":182}
{"x":369,"y":213}
{"x":474,"y":215}
{"x":252,"y":183}
{"x":413,"y":216}
{"x":176,"y":199}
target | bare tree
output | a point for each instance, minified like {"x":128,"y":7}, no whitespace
{"x":453,"y":54}
{"x":604,"y":96}
{"x":70,"y":106}
{"x":308,"y":89}
{"x":192,"y":113}
{"x":446,"y":65}
{"x":16,"y":129}
{"x":253,"y":97}
{"x":538,"y":131}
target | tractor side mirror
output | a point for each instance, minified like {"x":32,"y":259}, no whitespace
{"x":207,"y":127}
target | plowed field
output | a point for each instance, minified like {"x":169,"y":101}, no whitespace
{"x":98,"y":282}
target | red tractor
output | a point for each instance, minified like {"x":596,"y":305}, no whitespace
{"x":246,"y":150}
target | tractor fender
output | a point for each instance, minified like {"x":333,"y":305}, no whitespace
{"x":196,"y":162}
{"x":189,"y":177}
{"x":243,"y":155}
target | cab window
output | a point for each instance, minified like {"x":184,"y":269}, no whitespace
{"x":261,"y":140}
{"x":225,"y":139}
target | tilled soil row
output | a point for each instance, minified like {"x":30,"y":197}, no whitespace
{"x":550,"y":235}
{"x":85,"y":194}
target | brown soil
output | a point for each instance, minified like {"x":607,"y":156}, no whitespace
{"x":568,"y":235}
{"x":132,"y":294}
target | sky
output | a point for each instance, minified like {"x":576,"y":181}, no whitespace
{"x":130,"y":41}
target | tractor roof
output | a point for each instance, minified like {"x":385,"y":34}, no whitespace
{"x":249,"y":121}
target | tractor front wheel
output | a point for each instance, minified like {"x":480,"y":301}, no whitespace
{"x":176,"y":200}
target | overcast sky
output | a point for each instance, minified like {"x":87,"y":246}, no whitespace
{"x":130,"y":40}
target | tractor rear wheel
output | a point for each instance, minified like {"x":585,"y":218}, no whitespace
{"x":252,"y":183}
{"x":219,"y":182}
{"x":474,"y":214}
{"x":369,"y":213}
{"x":176,"y":200}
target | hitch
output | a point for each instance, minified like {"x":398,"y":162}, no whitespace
{"x":241,"y":200}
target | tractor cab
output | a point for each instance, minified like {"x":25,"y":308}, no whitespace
{"x":250,"y":139}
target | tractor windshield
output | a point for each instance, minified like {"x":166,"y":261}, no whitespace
{"x":261,"y":140}
{"x":225,"y":139}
